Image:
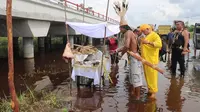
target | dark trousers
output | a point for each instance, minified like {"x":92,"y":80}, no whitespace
{"x":162,"y":52}
{"x":89,"y":83}
{"x":114,"y":58}
{"x":178,"y":57}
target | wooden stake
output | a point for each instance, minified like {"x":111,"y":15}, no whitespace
{"x":104,"y":42}
{"x":66,"y":21}
{"x":69,"y":60}
{"x":82,"y":36}
{"x":14,"y":102}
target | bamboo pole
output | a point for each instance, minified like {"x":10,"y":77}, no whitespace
{"x":104,"y":42}
{"x":14,"y":102}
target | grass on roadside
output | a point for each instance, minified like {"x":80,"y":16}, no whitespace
{"x":3,"y":47}
{"x":34,"y":102}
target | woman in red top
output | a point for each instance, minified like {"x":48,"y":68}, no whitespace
{"x":112,"y":42}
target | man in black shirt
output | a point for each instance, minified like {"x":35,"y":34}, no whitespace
{"x":179,"y":46}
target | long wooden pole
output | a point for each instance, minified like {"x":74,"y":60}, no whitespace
{"x":14,"y":102}
{"x":66,"y":20}
{"x":138,"y":57}
{"x":104,"y":42}
{"x":83,"y":40}
{"x":69,"y":60}
{"x":83,"y":10}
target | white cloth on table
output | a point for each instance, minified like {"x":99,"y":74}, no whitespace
{"x":88,"y":72}
{"x":91,"y":71}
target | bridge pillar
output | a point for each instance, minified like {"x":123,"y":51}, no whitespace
{"x":41,"y":43}
{"x":90,"y":41}
{"x":29,"y":65}
{"x":28,"y":47}
{"x":101,"y":41}
{"x":16,"y":47}
{"x":65,"y":40}
{"x":48,"y":43}
{"x":71,"y":39}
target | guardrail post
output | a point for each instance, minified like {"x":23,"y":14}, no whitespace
{"x":77,"y":6}
{"x":87,"y":10}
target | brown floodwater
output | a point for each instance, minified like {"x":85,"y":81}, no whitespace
{"x":49,"y":70}
{"x":29,"y":71}
{"x":174,"y":95}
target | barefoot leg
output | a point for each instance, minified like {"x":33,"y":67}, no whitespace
{"x":133,"y":91}
{"x":137,"y":93}
{"x":152,"y":96}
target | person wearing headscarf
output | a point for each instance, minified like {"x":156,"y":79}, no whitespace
{"x":150,"y":46}
{"x":139,"y":35}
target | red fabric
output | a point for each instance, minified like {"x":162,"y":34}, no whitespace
{"x":113,"y":44}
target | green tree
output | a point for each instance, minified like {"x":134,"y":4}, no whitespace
{"x":191,"y":28}
{"x":186,"y":24}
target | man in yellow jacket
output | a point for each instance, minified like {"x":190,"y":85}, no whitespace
{"x":150,"y":46}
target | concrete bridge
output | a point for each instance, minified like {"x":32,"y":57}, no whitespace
{"x":45,"y":18}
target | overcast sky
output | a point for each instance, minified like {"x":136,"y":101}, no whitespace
{"x":152,"y":11}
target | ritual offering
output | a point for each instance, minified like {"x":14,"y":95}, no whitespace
{"x":88,"y":56}
{"x":85,"y":50}
{"x":67,"y":52}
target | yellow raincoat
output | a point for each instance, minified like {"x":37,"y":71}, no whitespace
{"x":151,"y":54}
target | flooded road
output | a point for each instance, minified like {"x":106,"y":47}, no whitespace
{"x":49,"y":70}
{"x":175,"y":95}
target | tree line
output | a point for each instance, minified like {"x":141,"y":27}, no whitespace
{"x":189,"y":27}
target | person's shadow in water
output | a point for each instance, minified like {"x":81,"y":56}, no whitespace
{"x":114,"y":75}
{"x":142,"y":106}
{"x":149,"y":106}
{"x":174,"y":101}
{"x":88,"y":100}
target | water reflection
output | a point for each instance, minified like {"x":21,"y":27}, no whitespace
{"x":29,"y":65}
{"x":134,"y":106}
{"x":152,"y":107}
{"x":88,"y":100}
{"x":145,"y":105}
{"x":174,"y":101}
{"x":114,"y":75}
{"x":116,"y":96}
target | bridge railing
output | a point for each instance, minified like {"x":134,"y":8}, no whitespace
{"x":78,"y":7}
{"x":88,"y":11}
